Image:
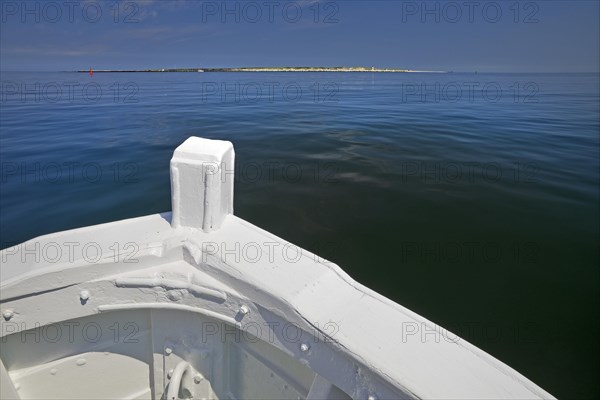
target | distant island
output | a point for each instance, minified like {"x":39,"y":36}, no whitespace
{"x":265,"y":69}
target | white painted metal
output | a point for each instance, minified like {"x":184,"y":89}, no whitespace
{"x":202,"y":304}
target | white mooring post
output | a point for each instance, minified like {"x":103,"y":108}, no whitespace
{"x":202,"y":172}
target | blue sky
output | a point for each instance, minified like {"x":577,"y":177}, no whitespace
{"x":487,"y":36}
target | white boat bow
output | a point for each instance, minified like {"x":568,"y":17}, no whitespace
{"x":199,"y":303}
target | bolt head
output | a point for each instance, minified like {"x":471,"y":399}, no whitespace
{"x":304,"y":347}
{"x":168,"y":350}
{"x":198,"y":379}
{"x":244,"y":310}
{"x":8,"y":314}
{"x":84,"y":295}
{"x":372,"y":397}
{"x":169,"y":374}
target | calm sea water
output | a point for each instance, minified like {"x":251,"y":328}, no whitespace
{"x":471,"y":199}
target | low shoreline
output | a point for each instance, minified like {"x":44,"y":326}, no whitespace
{"x":268,"y":69}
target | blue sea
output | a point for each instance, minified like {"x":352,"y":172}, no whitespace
{"x":471,"y":199}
